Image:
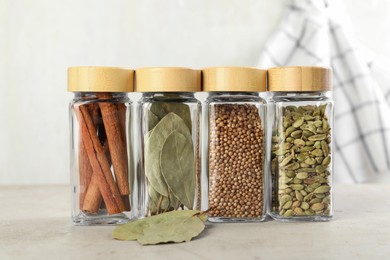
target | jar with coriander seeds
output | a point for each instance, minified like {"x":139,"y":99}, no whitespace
{"x":236,"y":144}
{"x":301,"y":153}
{"x":169,"y":163}
{"x":101,"y":168}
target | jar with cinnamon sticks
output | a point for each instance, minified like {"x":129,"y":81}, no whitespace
{"x":100,"y":154}
{"x":169,"y":132}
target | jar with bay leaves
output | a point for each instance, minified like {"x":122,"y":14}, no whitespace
{"x":236,"y":143}
{"x":100,"y":169}
{"x":301,"y":153}
{"x":169,"y":166}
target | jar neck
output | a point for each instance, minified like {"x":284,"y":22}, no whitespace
{"x":300,"y":96}
{"x":168,"y":96}
{"x":311,"y":94}
{"x":234,"y":97}
{"x":220,"y":94}
{"x":99,"y":95}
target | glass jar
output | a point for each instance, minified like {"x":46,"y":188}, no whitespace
{"x":236,"y":144}
{"x":100,"y":153}
{"x":169,"y":165}
{"x":302,"y":152}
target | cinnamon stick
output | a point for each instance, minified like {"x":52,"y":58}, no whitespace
{"x":100,"y":167}
{"x":126,"y":202}
{"x":122,"y":121}
{"x":85,"y":170}
{"x":116,"y":143}
{"x":93,"y":195}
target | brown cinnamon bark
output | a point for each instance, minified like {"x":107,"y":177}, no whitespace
{"x":126,"y":202}
{"x":93,"y":197}
{"x":118,"y":153}
{"x":100,"y":167}
{"x":85,"y":169}
{"x":122,"y":121}
{"x":85,"y":172}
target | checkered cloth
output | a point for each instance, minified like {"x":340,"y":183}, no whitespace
{"x":311,"y":35}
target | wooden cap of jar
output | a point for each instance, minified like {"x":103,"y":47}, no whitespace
{"x":234,"y":79}
{"x":167,"y":79}
{"x":100,"y":79}
{"x":299,"y":79}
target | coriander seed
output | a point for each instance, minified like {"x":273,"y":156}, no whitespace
{"x":236,"y":144}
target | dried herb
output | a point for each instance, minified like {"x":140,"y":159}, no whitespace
{"x":175,"y":226}
{"x":169,"y":161}
{"x":160,"y":110}
{"x":159,"y":203}
{"x":152,"y":119}
{"x":177,"y":167}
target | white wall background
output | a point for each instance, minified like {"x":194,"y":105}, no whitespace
{"x":40,"y":39}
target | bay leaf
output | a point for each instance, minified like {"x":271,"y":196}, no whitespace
{"x":179,"y":229}
{"x":152,"y":120}
{"x":161,"y":109}
{"x":159,"y":203}
{"x":131,"y":230}
{"x":154,"y":142}
{"x":174,"y":226}
{"x":158,"y":110}
{"x":178,"y":167}
{"x":180,"y":109}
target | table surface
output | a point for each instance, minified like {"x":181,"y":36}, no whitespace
{"x":35,"y":224}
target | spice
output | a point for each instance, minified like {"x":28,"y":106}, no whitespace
{"x":176,"y":226}
{"x":300,"y":163}
{"x":236,"y":143}
{"x":100,"y":168}
{"x":170,"y":172}
{"x":102,"y":183}
{"x":170,"y":164}
{"x":301,"y":154}
{"x":235,"y":161}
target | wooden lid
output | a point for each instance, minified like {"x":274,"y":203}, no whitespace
{"x":100,"y":79}
{"x":233,"y":79}
{"x":167,"y":79}
{"x":299,"y":79}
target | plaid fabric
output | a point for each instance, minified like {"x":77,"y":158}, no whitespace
{"x":310,"y":36}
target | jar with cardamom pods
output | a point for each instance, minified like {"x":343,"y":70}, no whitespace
{"x":169,"y":163}
{"x":236,"y":144}
{"x":301,"y":154}
{"x":100,"y":164}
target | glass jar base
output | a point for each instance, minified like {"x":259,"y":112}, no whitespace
{"x":235,"y":220}
{"x":100,"y":219}
{"x":319,"y":218}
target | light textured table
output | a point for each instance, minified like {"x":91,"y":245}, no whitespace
{"x":35,"y":224}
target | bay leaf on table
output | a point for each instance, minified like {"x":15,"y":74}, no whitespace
{"x":178,"y":167}
{"x":131,"y":230}
{"x":153,"y":147}
{"x":175,"y":226}
{"x":179,"y":229}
